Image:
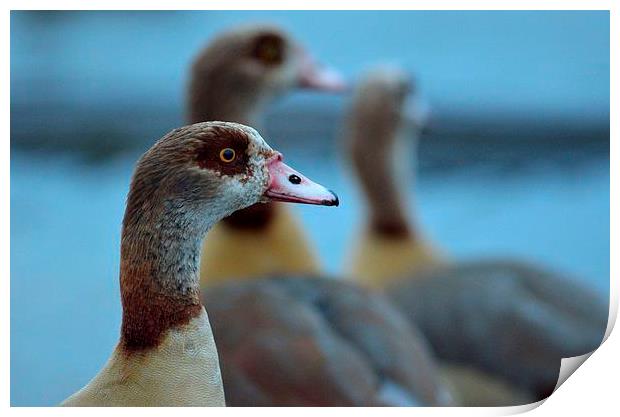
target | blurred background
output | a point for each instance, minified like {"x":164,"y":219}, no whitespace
{"x":516,"y":162}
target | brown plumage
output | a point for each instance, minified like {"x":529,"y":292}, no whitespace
{"x":499,"y":327}
{"x":307,"y":341}
{"x":375,"y":121}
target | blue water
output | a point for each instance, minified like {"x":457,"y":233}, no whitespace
{"x":65,"y":224}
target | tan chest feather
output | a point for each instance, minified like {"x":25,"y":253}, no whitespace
{"x":375,"y":260}
{"x":182,"y":371}
{"x":281,"y":248}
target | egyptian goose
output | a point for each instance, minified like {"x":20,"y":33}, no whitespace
{"x":499,"y":327}
{"x":234,"y":78}
{"x":189,"y":180}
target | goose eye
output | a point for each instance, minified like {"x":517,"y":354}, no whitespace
{"x":269,"y":53}
{"x":269,"y":50}
{"x":227,"y":155}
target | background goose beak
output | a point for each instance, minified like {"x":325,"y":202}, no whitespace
{"x":286,"y":184}
{"x":318,"y":77}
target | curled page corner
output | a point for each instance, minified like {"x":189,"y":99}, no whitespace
{"x":613,"y":314}
{"x":520,"y":409}
{"x":568,"y":366}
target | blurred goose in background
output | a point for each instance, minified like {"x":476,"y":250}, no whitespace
{"x":234,"y":78}
{"x":312,"y":341}
{"x":499,"y":327}
{"x":381,"y":121}
{"x":166,"y":355}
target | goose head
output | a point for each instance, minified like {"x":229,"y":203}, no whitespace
{"x":385,"y":101}
{"x":243,"y":69}
{"x":209,"y":170}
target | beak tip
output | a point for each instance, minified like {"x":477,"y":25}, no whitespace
{"x":333,"y":202}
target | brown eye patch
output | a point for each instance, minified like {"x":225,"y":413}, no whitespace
{"x":219,"y":142}
{"x":269,"y":49}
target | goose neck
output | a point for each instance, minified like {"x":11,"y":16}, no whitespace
{"x":159,"y":279}
{"x":227,"y":104}
{"x":386,"y":176}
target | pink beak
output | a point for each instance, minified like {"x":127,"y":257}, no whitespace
{"x":317,"y":77}
{"x":286,"y":184}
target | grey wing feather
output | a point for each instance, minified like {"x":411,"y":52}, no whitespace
{"x":509,"y":319}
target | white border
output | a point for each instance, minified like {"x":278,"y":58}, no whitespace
{"x":314,"y":5}
{"x":591,"y":389}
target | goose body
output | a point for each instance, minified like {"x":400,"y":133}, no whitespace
{"x":188,"y":181}
{"x":516,"y":323}
{"x":500,"y":328}
{"x":310,"y":341}
{"x":234,"y":78}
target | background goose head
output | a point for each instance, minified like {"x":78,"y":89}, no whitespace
{"x":237,"y":74}
{"x":243,"y":69}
